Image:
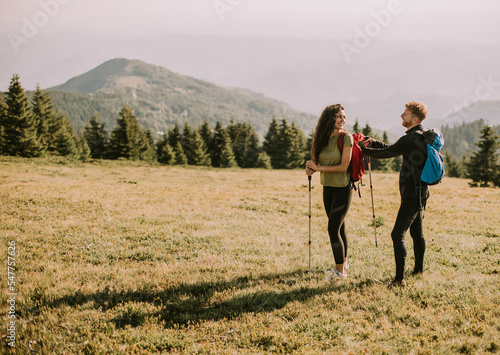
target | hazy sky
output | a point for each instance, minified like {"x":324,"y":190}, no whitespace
{"x":474,"y":21}
{"x":89,"y":32}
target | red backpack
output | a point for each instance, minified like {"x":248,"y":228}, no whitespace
{"x":357,"y":165}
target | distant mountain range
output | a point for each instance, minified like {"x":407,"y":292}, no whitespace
{"x":307,"y":74}
{"x":487,"y":110}
{"x":160,"y":98}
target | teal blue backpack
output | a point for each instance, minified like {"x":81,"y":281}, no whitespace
{"x":434,"y":169}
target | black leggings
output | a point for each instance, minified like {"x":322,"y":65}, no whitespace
{"x":337,"y":201}
{"x":409,"y":217}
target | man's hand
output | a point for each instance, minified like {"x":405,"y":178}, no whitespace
{"x":367,"y":142}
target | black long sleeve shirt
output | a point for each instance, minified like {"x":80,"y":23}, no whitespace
{"x":413,"y":148}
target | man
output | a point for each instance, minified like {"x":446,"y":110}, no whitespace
{"x":414,"y":193}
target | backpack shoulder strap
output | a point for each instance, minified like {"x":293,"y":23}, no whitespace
{"x":340,"y":142}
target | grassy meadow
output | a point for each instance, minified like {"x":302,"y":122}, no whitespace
{"x":124,"y":258}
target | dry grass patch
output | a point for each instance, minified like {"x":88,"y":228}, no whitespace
{"x":115,"y":258}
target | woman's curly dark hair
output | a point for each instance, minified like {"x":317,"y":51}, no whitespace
{"x":324,"y":129}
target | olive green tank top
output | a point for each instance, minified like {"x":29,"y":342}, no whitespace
{"x":330,"y":155}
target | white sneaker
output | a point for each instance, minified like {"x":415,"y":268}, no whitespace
{"x":335,"y":273}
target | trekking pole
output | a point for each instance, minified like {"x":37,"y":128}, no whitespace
{"x":373,"y":205}
{"x":309,"y":178}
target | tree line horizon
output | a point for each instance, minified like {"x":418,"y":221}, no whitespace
{"x":37,"y":128}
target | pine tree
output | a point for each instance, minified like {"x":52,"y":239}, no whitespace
{"x":3,"y":112}
{"x":164,"y":151}
{"x":127,"y":139}
{"x":206,"y":133}
{"x":148,"y":150}
{"x":367,"y":131}
{"x":296,"y":151}
{"x":96,"y":137}
{"x":272,"y":143}
{"x":252,"y":150}
{"x":84,"y":149}
{"x":19,"y":126}
{"x":283,"y":143}
{"x":174,"y":136}
{"x":290,"y":147}
{"x":69,"y":145}
{"x":453,"y":167}
{"x":219,"y":140}
{"x":227,"y":157}
{"x":187,"y":144}
{"x":208,"y":137}
{"x":385,"y":137}
{"x":65,"y":142}
{"x":54,"y":125}
{"x":482,"y":167}
{"x":194,"y":147}
{"x":263,"y":161}
{"x":245,"y":144}
{"x":222,"y":151}
{"x":45,"y":115}
{"x":200,"y":155}
{"x":180,"y":156}
{"x":356,"y":128}
{"x":53,"y":128}
{"x":381,"y":164}
{"x":460,"y":138}
{"x":166,"y":155}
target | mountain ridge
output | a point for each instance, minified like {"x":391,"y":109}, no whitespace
{"x":161,"y":98}
{"x":307,"y":74}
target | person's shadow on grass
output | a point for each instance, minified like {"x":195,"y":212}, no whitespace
{"x":193,"y":303}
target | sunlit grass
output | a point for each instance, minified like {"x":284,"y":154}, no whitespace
{"x":119,"y":258}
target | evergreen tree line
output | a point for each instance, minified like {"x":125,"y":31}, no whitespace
{"x":37,"y":128}
{"x":458,"y":152}
{"x":460,"y":138}
{"x":482,"y":165}
{"x":235,"y":145}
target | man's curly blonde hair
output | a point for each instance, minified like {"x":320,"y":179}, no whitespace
{"x":417,"y":109}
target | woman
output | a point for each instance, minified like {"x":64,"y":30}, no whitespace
{"x":334,"y":176}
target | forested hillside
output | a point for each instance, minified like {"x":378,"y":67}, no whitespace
{"x":160,"y":98}
{"x":460,"y":139}
{"x":107,"y":127}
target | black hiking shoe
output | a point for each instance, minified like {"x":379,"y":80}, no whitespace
{"x":397,"y":283}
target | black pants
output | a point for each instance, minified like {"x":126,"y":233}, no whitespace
{"x":337,"y":201}
{"x":409,"y":217}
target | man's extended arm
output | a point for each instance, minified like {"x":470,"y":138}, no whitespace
{"x":381,"y":150}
